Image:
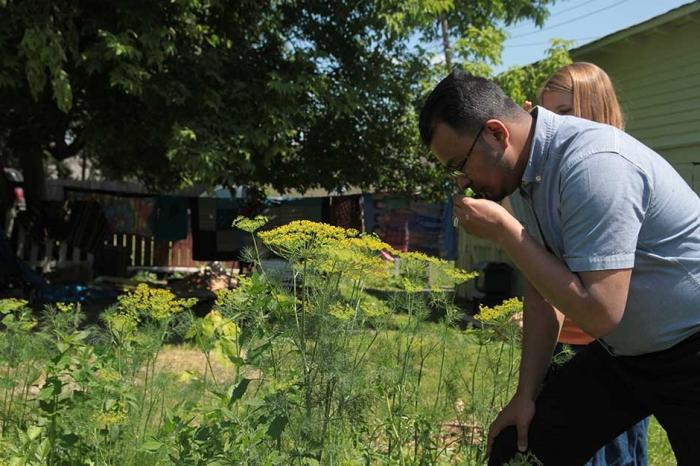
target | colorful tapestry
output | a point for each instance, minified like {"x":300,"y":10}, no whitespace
{"x":128,"y":215}
{"x":410,"y":225}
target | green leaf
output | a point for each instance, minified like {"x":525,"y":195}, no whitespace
{"x":237,"y":360}
{"x":277,"y":426}
{"x":151,"y":446}
{"x":52,"y":387}
{"x":82,"y":335}
{"x":62,"y":91}
{"x":69,"y":440}
{"x":33,"y":432}
{"x":239,"y":391}
{"x":255,"y":353}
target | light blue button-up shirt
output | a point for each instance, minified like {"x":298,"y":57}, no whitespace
{"x":600,"y":200}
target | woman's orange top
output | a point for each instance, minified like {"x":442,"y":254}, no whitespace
{"x":571,"y":334}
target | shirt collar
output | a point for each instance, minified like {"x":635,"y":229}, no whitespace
{"x":545,"y":122}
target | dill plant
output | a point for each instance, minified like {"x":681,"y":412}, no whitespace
{"x":346,"y":408}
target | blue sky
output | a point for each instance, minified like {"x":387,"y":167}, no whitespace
{"x":581,"y":20}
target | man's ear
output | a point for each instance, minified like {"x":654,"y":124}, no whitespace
{"x":499,"y":132}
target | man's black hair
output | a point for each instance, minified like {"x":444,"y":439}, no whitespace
{"x":464,"y":102}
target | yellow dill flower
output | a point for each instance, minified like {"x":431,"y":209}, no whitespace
{"x":369,"y":243}
{"x":187,"y":376}
{"x":65,"y":307}
{"x":342,"y":311}
{"x":329,"y":249}
{"x":459,"y":275}
{"x":11,"y":305}
{"x":301,"y":238}
{"x":419,"y":256}
{"x":354,"y":264}
{"x":108,"y":375}
{"x":500,"y":313}
{"x":106,"y":419}
{"x":250,"y":224}
{"x":446,"y":275}
{"x":375,"y":309}
{"x":156,"y":303}
{"x":121,"y":324}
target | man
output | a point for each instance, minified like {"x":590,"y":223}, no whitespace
{"x":610,"y":237}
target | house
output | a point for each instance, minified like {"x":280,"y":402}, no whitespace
{"x":655,"y":67}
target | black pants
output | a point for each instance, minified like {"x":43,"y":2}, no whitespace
{"x":596,"y":396}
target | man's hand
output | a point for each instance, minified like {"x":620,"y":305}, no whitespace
{"x":519,"y":413}
{"x":482,"y":217}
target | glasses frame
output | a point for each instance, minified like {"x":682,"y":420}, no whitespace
{"x":459,"y":170}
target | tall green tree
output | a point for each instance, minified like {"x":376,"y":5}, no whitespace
{"x":288,"y":93}
{"x":523,"y":83}
{"x":468,"y":33}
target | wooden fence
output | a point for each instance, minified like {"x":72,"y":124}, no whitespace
{"x":144,"y":253}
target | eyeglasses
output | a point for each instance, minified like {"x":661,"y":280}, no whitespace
{"x":457,"y":171}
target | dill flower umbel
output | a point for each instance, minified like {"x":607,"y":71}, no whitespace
{"x":106,"y":419}
{"x":156,"y":303}
{"x":358,"y":256}
{"x":65,"y":307}
{"x":11,"y":305}
{"x":249,"y":224}
{"x":301,"y":236}
{"x":108,"y":375}
{"x":418,"y":257}
{"x":342,"y":311}
{"x":329,"y":249}
{"x":501,"y":313}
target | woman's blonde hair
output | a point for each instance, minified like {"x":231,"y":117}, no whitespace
{"x":593,"y":92}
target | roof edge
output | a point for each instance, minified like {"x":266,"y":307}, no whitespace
{"x":664,"y":18}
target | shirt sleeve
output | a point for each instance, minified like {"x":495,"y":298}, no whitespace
{"x":604,"y":199}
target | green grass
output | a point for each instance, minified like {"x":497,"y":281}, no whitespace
{"x":462,"y":353}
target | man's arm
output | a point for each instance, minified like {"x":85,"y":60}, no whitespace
{"x":541,"y":327}
{"x":594,"y":300}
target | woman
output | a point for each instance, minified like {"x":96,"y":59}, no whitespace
{"x":584,"y":90}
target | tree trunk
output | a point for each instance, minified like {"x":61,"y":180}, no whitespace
{"x":446,"y":43}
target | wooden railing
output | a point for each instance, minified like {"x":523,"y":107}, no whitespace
{"x":146,"y":253}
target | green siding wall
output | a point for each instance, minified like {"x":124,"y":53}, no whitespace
{"x":657,"y":77}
